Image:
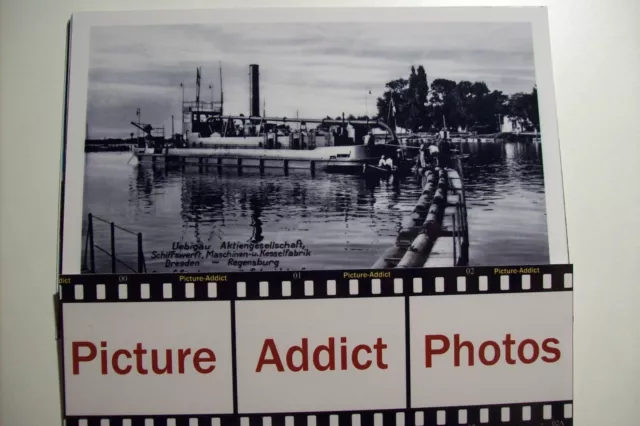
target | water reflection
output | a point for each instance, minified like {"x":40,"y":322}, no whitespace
{"x":344,"y":220}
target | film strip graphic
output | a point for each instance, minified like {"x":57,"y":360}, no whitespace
{"x":556,"y":413}
{"x":392,"y":284}
{"x":315,"y":284}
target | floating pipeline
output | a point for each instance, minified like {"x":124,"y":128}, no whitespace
{"x":420,"y":249}
{"x":440,"y":212}
{"x":411,"y":224}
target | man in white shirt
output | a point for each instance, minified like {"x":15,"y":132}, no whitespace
{"x":433,"y":153}
{"x":351,"y":133}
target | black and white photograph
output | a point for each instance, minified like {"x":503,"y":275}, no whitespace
{"x":275,"y":146}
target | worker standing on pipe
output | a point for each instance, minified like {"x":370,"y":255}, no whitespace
{"x":424,"y":154}
{"x":444,"y":153}
{"x":433,"y":154}
{"x":389,"y":163}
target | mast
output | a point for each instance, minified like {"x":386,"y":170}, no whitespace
{"x":221,"y":91}
{"x":366,"y":101}
{"x":138,"y":131}
{"x":182,"y":110}
{"x":198,"y":88}
{"x":444,"y":123}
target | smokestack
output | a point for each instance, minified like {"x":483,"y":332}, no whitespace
{"x":254,"y":91}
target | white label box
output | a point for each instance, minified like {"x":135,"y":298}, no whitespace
{"x":115,"y":358}
{"x":490,"y":349}
{"x":368,"y":366}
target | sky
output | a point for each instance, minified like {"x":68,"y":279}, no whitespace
{"x":313,"y":70}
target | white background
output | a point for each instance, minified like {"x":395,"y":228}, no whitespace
{"x":596,"y":64}
{"x":536,"y":316}
{"x":161,"y":326}
{"x":361,"y":321}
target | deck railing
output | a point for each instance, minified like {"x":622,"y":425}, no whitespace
{"x":89,"y":259}
{"x":460,"y":235}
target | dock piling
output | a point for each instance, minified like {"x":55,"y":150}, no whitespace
{"x":92,"y":252}
{"x":111,"y":250}
{"x":141,"y":263}
{"x":113,"y":247}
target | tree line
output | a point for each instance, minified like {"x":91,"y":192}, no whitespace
{"x":413,"y":104}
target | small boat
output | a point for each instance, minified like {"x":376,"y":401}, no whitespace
{"x":378,"y":171}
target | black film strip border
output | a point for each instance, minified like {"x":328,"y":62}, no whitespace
{"x":556,"y":413}
{"x":314,"y":284}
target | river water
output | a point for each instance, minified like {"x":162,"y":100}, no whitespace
{"x":341,"y":221}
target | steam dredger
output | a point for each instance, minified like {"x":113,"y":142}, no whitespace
{"x":210,"y":137}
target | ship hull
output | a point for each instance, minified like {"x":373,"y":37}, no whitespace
{"x":342,"y":153}
{"x":334,"y":158}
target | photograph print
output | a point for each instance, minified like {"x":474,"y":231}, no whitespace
{"x":272,"y":145}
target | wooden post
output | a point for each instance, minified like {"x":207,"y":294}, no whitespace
{"x":239,"y":163}
{"x":140,"y":254}
{"x":261,"y":165}
{"x":113,"y":247}
{"x":313,"y":166}
{"x":286,"y":166}
{"x":453,"y":221}
{"x":219,"y":161}
{"x":92,"y":252}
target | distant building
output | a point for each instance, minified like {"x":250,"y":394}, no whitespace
{"x":513,"y":125}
